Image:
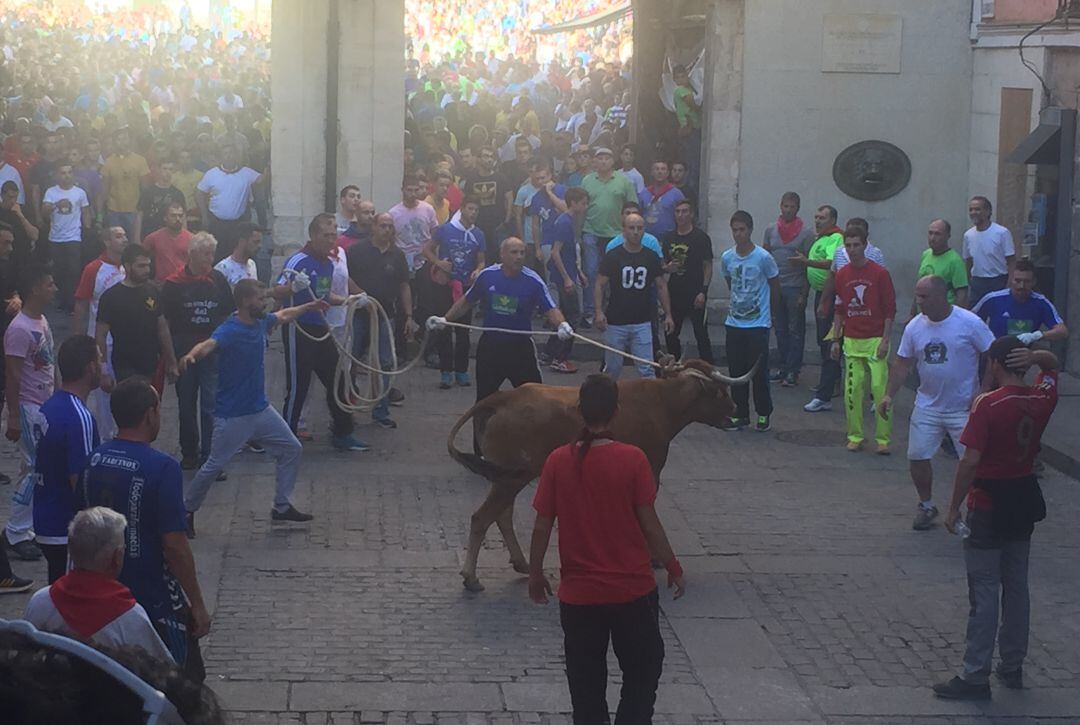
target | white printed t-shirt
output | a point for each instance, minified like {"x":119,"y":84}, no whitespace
{"x":947,"y":356}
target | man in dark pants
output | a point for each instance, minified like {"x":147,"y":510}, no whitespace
{"x":688,"y":257}
{"x":1004,"y":502}
{"x":603,"y":493}
{"x":306,"y":277}
{"x":817,"y":262}
{"x":754,"y":280}
{"x":510,"y":292}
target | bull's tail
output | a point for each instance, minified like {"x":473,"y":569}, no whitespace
{"x":474,"y":461}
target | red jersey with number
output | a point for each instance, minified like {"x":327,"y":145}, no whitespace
{"x":1006,"y":426}
{"x":602,"y":550}
{"x":865,"y":299}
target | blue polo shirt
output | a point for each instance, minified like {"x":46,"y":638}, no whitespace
{"x":542,"y":208}
{"x":509,"y":301}
{"x":1006,"y":316}
{"x":67,"y":437}
{"x":461,"y":246}
{"x":564,"y":232}
{"x":241,"y":389}
{"x":320,"y":272}
{"x":659,"y":211}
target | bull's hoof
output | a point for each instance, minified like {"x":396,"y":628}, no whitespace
{"x":471,"y":583}
{"x":521,"y":567}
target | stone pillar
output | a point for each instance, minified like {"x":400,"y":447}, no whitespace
{"x":370,"y":100}
{"x":722,"y":117}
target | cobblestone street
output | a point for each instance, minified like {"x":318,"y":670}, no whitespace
{"x":810,"y":599}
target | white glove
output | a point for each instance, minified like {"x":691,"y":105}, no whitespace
{"x":436,"y":323}
{"x":1027,"y":338}
{"x":361,"y":300}
{"x":300,"y":282}
{"x":565,"y":332}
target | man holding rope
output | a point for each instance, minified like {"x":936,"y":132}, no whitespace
{"x":510,"y":292}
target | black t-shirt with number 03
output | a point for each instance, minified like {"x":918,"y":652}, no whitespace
{"x":630,"y":277}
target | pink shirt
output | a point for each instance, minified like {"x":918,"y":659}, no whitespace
{"x":169,"y":251}
{"x":32,"y":341}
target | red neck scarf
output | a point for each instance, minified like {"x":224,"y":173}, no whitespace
{"x":658,"y":191}
{"x":788,"y":230}
{"x":89,"y":600}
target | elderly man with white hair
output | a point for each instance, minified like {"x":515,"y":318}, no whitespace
{"x":88,"y":603}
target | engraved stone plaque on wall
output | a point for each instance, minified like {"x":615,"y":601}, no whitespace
{"x":861,"y":43}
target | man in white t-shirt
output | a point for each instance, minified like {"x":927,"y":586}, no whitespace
{"x":240,"y":264}
{"x":944,"y":343}
{"x":68,"y":210}
{"x":88,"y":603}
{"x":223,"y":194}
{"x":988,"y":250}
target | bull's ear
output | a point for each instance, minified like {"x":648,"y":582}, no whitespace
{"x":667,"y":361}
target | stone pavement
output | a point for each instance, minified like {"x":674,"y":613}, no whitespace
{"x":810,"y":599}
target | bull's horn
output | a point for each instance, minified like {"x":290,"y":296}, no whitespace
{"x":741,"y":380}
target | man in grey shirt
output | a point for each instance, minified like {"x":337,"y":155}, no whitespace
{"x":784,"y":239}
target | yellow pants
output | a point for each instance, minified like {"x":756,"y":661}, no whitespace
{"x":860,"y":356}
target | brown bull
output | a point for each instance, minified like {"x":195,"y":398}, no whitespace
{"x":517,"y":429}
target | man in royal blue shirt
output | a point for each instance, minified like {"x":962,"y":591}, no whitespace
{"x":1019,"y":310}
{"x":309,"y":348}
{"x":457,"y":248}
{"x":544,"y":210}
{"x":242,"y":413}
{"x":510,"y":292}
{"x":564,"y":274}
{"x":70,"y":434}
{"x":659,"y":200}
{"x":146,"y":486}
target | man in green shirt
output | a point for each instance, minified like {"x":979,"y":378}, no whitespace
{"x":817,"y":263}
{"x":940,"y":260}
{"x":688,"y":114}
{"x":608,"y":191}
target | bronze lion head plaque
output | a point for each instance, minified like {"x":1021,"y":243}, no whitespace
{"x":871,"y":170}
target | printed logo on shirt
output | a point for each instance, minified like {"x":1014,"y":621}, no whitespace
{"x":935,"y":353}
{"x":1015,"y":326}
{"x":504,"y":304}
{"x":64,"y":206}
{"x":678,"y":252}
{"x":485,"y":192}
{"x":150,"y":303}
{"x":635,"y":277}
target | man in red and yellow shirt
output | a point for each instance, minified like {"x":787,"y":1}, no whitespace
{"x":865,"y":310}
{"x":603,"y":492}
{"x":1004,"y":501}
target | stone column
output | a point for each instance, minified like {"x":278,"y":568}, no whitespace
{"x":722,"y":118}
{"x":370,"y":106}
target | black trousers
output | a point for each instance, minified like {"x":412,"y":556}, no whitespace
{"x":681,"y":309}
{"x":830,"y":369}
{"x":56,"y":557}
{"x":504,"y":357}
{"x":303,"y":357}
{"x":226,"y":232}
{"x":634,"y":631}
{"x":744,"y":346}
{"x":452,"y":345}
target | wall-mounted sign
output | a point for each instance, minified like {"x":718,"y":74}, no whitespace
{"x":861,"y":43}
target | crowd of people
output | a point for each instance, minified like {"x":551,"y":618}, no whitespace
{"x":134,"y":190}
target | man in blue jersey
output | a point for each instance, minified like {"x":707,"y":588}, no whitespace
{"x":309,"y":348}
{"x":1019,"y":310}
{"x":242,"y":413}
{"x":70,"y":434}
{"x":146,"y":486}
{"x":457,"y":248}
{"x":509,"y":292}
{"x":546,"y":206}
{"x":565,"y":276}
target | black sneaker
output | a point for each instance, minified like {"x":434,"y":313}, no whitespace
{"x":395,"y":397}
{"x":255,"y":447}
{"x":734,"y":424}
{"x":189,"y":463}
{"x":222,"y":476}
{"x":387,"y":423}
{"x":15,"y":585}
{"x":25,"y":550}
{"x":775,"y":376}
{"x":189,"y":524}
{"x":762,"y":424}
{"x":289,"y":514}
{"x":4,"y":479}
{"x":960,"y":689}
{"x":1014,"y":679}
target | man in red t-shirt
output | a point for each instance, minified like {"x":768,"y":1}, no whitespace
{"x":602,"y":493}
{"x":865,"y":310}
{"x":1004,"y":501}
{"x":168,"y":246}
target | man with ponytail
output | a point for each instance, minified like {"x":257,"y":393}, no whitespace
{"x":603,"y":494}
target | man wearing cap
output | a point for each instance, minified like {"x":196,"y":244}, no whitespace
{"x":608,"y":192}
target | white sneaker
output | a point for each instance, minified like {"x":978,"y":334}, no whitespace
{"x":816,"y":405}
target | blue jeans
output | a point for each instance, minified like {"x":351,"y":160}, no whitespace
{"x":361,"y":323}
{"x":125,"y":219}
{"x":637,"y":340}
{"x":592,"y":249}
{"x":196,"y":395}
{"x":791,"y":329}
